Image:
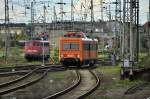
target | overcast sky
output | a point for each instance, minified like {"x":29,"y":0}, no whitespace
{"x":19,"y":14}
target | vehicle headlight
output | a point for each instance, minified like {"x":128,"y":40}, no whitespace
{"x":34,"y":51}
{"x":78,"y":56}
{"x":30,"y":51}
{"x":62,"y":55}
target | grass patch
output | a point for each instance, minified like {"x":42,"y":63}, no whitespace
{"x":104,"y":56}
{"x":144,"y":61}
{"x":109,"y":69}
{"x":16,"y":57}
{"x":112,"y":76}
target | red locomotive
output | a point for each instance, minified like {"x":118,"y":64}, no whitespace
{"x":35,"y":49}
{"x":76,"y":49}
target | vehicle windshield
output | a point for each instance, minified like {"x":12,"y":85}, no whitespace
{"x":36,"y":43}
{"x":71,"y":46}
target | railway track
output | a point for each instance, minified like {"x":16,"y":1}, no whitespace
{"x":85,"y":83}
{"x":21,"y":83}
{"x":24,"y":70}
{"x":135,"y":88}
{"x":25,"y":67}
{"x":18,"y":79}
{"x":26,"y":80}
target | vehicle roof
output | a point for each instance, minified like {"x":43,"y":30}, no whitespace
{"x":38,"y":41}
{"x":83,"y":39}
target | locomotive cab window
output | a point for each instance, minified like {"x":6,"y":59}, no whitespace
{"x":41,"y":44}
{"x":71,"y":46}
{"x":66,"y":46}
{"x":46,"y":44}
{"x":27,"y":43}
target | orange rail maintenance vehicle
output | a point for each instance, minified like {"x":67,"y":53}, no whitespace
{"x":75,"y":49}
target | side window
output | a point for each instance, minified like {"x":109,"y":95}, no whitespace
{"x":91,"y":46}
{"x":37,"y":44}
{"x":46,"y":44}
{"x":96,"y":46}
{"x":86,"y":46}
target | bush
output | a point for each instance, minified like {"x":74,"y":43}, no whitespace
{"x":145,"y":62}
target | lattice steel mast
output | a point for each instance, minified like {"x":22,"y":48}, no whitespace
{"x":72,"y":14}
{"x":134,"y":30}
{"x":125,"y":36}
{"x":32,"y":18}
{"x":118,"y":25}
{"x":7,"y":38}
{"x":102,"y":9}
{"x":148,"y":30}
{"x":61,"y":3}
{"x":92,"y":18}
{"x":130,"y":32}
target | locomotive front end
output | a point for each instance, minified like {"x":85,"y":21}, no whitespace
{"x":70,"y":54}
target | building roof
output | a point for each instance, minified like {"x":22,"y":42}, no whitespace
{"x":147,"y":24}
{"x":14,"y":24}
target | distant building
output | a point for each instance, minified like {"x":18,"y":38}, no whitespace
{"x":101,"y":30}
{"x":146,"y":34}
{"x":147,"y":27}
{"x":57,"y":29}
{"x":14,"y":28}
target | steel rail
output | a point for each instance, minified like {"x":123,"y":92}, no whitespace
{"x":25,"y":67}
{"x":93,"y":88}
{"x":18,"y":79}
{"x":75,"y":85}
{"x":78,"y":81}
{"x":135,"y":87}
{"x":25,"y":85}
{"x":55,"y":68}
